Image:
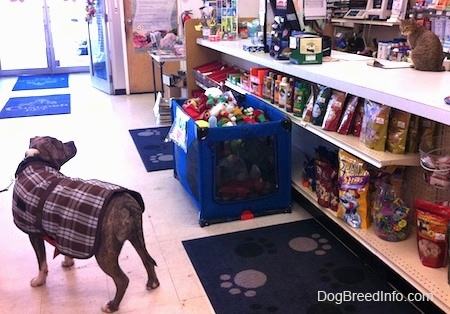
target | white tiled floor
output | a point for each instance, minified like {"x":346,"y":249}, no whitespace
{"x":99,"y":125}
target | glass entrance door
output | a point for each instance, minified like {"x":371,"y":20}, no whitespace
{"x":43,"y":37}
{"x":98,"y":43}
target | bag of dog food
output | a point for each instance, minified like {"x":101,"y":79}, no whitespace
{"x":348,"y":116}
{"x":334,"y":111}
{"x":326,"y":178}
{"x":432,"y":232}
{"x":427,"y":130}
{"x":412,"y":140}
{"x":358,"y":122}
{"x":375,"y":131}
{"x":307,"y":112}
{"x":353,"y":182}
{"x":320,"y":105}
{"x":397,"y":131}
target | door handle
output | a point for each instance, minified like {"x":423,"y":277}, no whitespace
{"x":129,"y":21}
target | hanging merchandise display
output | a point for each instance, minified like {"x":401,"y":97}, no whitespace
{"x":154,"y":25}
{"x":228,"y":19}
{"x":90,"y":10}
{"x":398,"y":11}
{"x":208,"y":23}
{"x":286,"y":20}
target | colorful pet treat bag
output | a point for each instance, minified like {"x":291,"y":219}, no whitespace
{"x":334,"y":111}
{"x":397,"y":131}
{"x":353,"y":191}
{"x":376,"y":124}
{"x":326,"y":178}
{"x":348,"y":116}
{"x":320,"y":105}
{"x":432,"y":232}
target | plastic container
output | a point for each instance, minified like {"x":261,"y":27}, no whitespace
{"x":383,"y":47}
{"x":435,"y":161}
{"x":392,"y":215}
{"x":283,"y":92}
{"x":207,"y":171}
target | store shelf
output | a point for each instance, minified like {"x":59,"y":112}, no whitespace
{"x":418,"y":92}
{"x":402,"y":257}
{"x":350,"y":143}
{"x":201,"y":85}
{"x":353,"y":145}
{"x":352,"y":22}
{"x":235,"y":48}
{"x":236,"y":88}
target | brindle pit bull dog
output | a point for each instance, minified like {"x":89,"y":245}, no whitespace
{"x":81,"y":218}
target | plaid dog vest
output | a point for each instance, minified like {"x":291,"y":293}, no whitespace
{"x":67,"y":210}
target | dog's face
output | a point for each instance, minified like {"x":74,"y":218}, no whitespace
{"x":52,"y":150}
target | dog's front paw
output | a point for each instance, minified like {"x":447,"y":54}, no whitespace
{"x":109,"y":307}
{"x":67,"y":262}
{"x":39,"y":280}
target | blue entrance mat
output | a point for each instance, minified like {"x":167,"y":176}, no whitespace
{"x":36,"y":106}
{"x":41,"y":82}
{"x":155,"y":152}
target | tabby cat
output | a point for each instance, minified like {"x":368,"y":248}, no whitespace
{"x":426,"y":48}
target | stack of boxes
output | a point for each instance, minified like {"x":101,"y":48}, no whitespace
{"x":162,"y":111}
{"x":174,"y":85}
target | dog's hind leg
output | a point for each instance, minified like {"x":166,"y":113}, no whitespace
{"x":116,"y":224}
{"x":109,"y":263}
{"x":67,"y":262}
{"x":137,"y":240}
{"x":39,"y":248}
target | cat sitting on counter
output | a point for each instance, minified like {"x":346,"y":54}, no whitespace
{"x":426,"y":48}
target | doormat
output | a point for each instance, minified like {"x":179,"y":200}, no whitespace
{"x":296,"y":267}
{"x":155,"y":152}
{"x":36,"y":106}
{"x":29,"y":82}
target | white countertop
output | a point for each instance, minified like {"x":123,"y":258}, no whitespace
{"x":418,"y":92}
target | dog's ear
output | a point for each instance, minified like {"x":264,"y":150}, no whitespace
{"x":53,"y":150}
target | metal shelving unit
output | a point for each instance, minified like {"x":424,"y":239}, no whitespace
{"x":349,"y":143}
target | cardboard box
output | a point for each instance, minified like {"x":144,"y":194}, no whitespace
{"x":306,"y":49}
{"x":234,"y":78}
{"x":257,"y":80}
{"x":178,"y":79}
{"x":171,"y":92}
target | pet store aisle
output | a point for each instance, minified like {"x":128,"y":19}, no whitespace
{"x":99,"y":125}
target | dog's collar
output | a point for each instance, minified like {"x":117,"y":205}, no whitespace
{"x":29,"y":160}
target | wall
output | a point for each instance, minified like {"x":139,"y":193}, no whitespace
{"x":246,"y":8}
